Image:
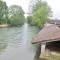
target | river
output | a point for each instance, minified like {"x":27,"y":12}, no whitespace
{"x":15,"y":43}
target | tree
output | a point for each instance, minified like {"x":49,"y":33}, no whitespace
{"x":29,"y":19}
{"x":16,"y":15}
{"x":41,"y":13}
{"x":3,"y":12}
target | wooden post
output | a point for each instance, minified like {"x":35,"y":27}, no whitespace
{"x":42,"y":49}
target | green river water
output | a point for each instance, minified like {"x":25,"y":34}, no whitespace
{"x":15,"y":43}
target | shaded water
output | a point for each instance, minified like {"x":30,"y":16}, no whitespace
{"x":15,"y":43}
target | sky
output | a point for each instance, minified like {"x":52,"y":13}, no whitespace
{"x":23,"y":3}
{"x":55,"y":5}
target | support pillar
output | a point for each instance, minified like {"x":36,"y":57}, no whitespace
{"x":42,"y":49}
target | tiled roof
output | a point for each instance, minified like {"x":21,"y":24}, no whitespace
{"x":48,"y":33}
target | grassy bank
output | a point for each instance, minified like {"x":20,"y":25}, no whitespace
{"x":51,"y":56}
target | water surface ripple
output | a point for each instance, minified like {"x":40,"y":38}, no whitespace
{"x":15,"y":42}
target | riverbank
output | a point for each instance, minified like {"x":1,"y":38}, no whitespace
{"x":3,"y":25}
{"x":51,"y":56}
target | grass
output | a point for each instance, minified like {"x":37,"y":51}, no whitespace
{"x":54,"y":57}
{"x":51,"y":57}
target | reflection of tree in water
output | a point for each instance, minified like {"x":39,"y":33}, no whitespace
{"x":38,"y":51}
{"x":2,"y":47}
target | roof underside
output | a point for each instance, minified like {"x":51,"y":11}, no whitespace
{"x":48,"y":34}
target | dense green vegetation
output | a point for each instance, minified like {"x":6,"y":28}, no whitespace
{"x":41,"y":12}
{"x":13,"y":15}
{"x":3,"y":12}
{"x":16,"y":15}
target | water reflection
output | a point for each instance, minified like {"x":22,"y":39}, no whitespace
{"x":38,"y":51}
{"x":16,"y":42}
{"x":2,"y":47}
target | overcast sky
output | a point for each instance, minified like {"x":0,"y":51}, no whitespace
{"x":55,"y":5}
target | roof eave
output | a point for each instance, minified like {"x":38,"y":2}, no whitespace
{"x":45,"y":41}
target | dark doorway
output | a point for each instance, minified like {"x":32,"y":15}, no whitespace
{"x":53,"y":46}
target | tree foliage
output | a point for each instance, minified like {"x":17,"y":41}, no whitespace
{"x":16,"y":15}
{"x":41,"y":13}
{"x":3,"y":12}
{"x":29,"y":19}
